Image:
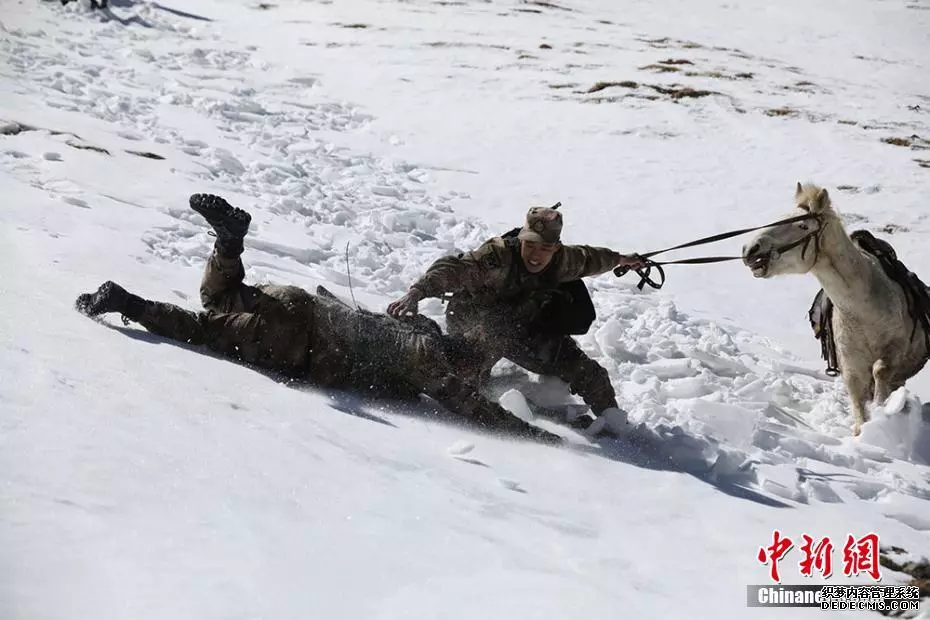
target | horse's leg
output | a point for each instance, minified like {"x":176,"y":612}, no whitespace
{"x":858,"y":385}
{"x":881,"y":373}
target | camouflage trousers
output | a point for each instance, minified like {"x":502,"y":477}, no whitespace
{"x":269,"y":327}
{"x":497,"y":335}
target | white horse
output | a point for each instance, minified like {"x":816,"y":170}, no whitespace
{"x":880,"y":344}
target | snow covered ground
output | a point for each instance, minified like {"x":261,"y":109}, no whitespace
{"x":142,"y":479}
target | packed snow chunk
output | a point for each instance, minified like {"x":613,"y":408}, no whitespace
{"x":672,"y":368}
{"x":687,"y":387}
{"x":781,"y":480}
{"x":821,"y":491}
{"x":907,"y":509}
{"x":461,"y":447}
{"x":513,"y":401}
{"x":730,"y":423}
{"x":901,"y":427}
{"x":719,"y":365}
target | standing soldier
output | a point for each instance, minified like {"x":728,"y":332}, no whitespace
{"x":311,"y":337}
{"x":506,"y":304}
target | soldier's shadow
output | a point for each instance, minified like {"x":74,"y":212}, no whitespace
{"x":348,"y":403}
{"x":649,"y":452}
{"x":655,"y":449}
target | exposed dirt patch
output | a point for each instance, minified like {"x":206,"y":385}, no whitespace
{"x":545,"y":46}
{"x":666,"y":42}
{"x":660,"y":68}
{"x":354,"y":26}
{"x":264,"y":6}
{"x":919,"y":571}
{"x":599,"y":86}
{"x":526,"y":57}
{"x":720,"y":75}
{"x":844,"y":121}
{"x":682,"y":92}
{"x":463,"y":44}
{"x":548,"y":5}
{"x":675,"y":61}
{"x":923,"y":163}
{"x":145,"y":154}
{"x":785,"y":111}
{"x":848,"y":188}
{"x":87,"y":147}
{"x":621,"y":98}
{"x":561,"y":86}
{"x":913,"y":141}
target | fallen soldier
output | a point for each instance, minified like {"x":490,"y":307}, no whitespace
{"x":317,"y":338}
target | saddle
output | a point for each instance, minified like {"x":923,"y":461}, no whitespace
{"x":820,"y":313}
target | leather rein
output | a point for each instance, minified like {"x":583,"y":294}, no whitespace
{"x":645,"y":272}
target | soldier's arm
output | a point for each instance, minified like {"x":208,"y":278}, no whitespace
{"x":485,"y":267}
{"x":582,"y":261}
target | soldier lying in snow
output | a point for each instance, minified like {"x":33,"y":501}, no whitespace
{"x":500,"y":293}
{"x":314,"y":337}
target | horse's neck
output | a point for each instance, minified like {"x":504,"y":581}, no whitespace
{"x":850,"y":279}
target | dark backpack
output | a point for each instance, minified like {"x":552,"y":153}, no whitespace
{"x":566,"y":310}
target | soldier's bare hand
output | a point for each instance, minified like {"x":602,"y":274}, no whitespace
{"x":408,"y":304}
{"x":631,"y":261}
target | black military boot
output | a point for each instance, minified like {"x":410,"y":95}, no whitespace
{"x":111,"y":297}
{"x":229,"y":223}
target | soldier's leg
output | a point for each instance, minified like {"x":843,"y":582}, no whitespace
{"x":464,"y":399}
{"x":222,"y":288}
{"x":430,"y":371}
{"x":252,"y":338}
{"x":562,"y":357}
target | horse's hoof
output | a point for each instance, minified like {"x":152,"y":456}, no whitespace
{"x":857,"y":429}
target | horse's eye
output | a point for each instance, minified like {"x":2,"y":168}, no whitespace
{"x":803,"y":226}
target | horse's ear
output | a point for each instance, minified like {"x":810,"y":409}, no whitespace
{"x":822,"y":201}
{"x":798,"y":191}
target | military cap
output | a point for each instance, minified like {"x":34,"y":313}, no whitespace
{"x":543,"y":225}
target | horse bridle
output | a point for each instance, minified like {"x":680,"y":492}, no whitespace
{"x":644,"y":272}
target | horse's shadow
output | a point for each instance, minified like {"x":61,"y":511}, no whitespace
{"x":646,"y":450}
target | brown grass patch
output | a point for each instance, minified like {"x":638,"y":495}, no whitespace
{"x":923,"y":163}
{"x":599,"y":86}
{"x":675,"y":61}
{"x":565,"y":85}
{"x":660,"y":68}
{"x":545,"y":46}
{"x":782,"y":112}
{"x":682,"y":92}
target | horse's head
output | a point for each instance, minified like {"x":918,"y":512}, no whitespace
{"x":791,"y":246}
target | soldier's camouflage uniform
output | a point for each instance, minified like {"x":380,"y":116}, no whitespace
{"x":320,"y":338}
{"x":495,"y":300}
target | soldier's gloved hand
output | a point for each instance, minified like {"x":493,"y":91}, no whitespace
{"x":408,"y":304}
{"x":631,"y":261}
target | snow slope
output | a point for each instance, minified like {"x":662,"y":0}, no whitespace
{"x":139,"y":478}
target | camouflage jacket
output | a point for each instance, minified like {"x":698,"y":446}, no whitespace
{"x":495,"y":271}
